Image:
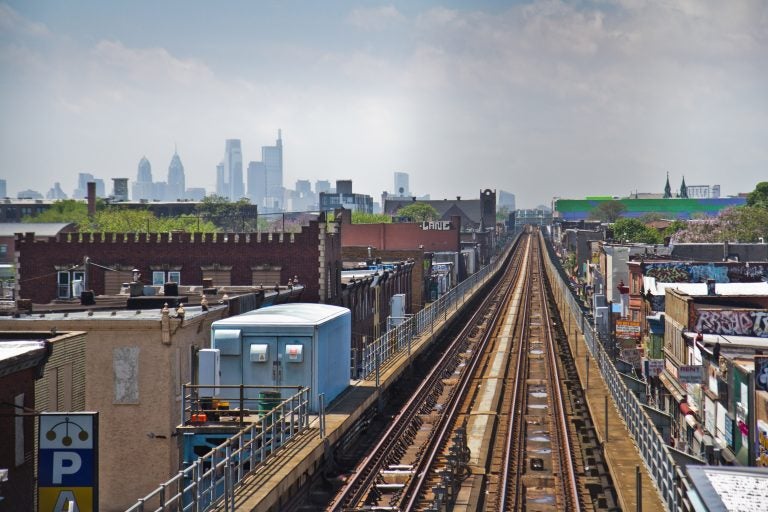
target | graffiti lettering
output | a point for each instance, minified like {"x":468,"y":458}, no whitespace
{"x":737,"y":323}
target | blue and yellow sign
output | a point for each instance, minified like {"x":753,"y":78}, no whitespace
{"x":68,"y":471}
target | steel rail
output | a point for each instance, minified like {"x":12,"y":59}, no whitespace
{"x":362,"y":480}
{"x":510,"y":438}
{"x":569,"y":484}
{"x":415,"y":486}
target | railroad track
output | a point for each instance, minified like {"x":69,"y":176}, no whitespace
{"x":499,"y":423}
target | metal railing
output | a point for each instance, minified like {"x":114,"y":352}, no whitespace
{"x":214,"y":478}
{"x":661,"y":466}
{"x":400,"y":338}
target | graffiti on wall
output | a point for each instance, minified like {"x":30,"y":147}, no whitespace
{"x":737,"y":323}
{"x":682,"y":272}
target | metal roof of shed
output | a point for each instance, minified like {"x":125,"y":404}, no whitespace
{"x":302,"y":314}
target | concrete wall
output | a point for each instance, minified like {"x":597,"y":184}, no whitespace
{"x":133,"y":379}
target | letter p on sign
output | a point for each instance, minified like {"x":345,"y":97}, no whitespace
{"x":65,"y":463}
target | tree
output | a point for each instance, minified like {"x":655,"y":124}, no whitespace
{"x":677,"y":225}
{"x":759,"y":196}
{"x":66,"y":210}
{"x":238,"y":216}
{"x":419,"y":212}
{"x":741,"y":224}
{"x":633,"y":230}
{"x":608,"y":211}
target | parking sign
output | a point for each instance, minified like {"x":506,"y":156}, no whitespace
{"x":67,"y":457}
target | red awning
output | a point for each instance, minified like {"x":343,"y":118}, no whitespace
{"x":685,"y":409}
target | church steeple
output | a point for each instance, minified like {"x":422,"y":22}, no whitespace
{"x":667,"y":189}
{"x":683,"y":189}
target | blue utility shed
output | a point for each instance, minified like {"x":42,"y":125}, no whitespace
{"x":286,"y":345}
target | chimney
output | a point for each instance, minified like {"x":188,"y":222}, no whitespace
{"x":458,"y":198}
{"x":710,"y":287}
{"x":91,"y":198}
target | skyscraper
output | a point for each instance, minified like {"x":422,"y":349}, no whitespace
{"x":257,"y":182}
{"x":3,"y":188}
{"x":142,"y":189}
{"x":221,"y":180}
{"x":233,"y":169}
{"x":272,"y":156}
{"x":81,"y":192}
{"x":401,"y":185}
{"x":176,"y":184}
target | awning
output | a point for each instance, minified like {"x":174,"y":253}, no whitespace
{"x":672,"y":386}
{"x":697,"y":434}
{"x":708,"y":440}
{"x":685,"y":409}
{"x":691,"y":421}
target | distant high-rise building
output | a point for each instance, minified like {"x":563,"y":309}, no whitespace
{"x":272,"y":156}
{"x":322,"y":186}
{"x":233,"y":169}
{"x":257,"y":182}
{"x":401,"y":185}
{"x":506,"y":200}
{"x":303,"y":199}
{"x":120,"y":189}
{"x":221,"y":180}
{"x":176,"y":188}
{"x":81,"y":191}
{"x":142,"y":188}
{"x":29,"y":194}
{"x":3,"y":188}
{"x":196,"y":193}
{"x":345,"y":198}
{"x":56,"y":192}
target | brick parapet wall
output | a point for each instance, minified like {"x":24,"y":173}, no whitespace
{"x":296,"y":253}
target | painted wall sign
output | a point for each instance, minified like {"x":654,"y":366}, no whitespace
{"x":736,"y":323}
{"x":68,"y":462}
{"x":691,"y":374}
{"x":627,"y":329}
{"x":437,"y":225}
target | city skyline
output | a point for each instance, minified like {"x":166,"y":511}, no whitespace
{"x":544,"y":98}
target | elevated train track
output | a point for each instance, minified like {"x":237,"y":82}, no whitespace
{"x":498,"y":424}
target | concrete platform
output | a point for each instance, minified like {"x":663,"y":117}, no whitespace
{"x":621,"y":453}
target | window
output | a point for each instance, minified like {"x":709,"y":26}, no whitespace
{"x":160,"y":277}
{"x":3,"y":250}
{"x":70,"y":283}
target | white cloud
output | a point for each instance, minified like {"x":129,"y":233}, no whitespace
{"x":548,"y":98}
{"x":375,"y":18}
{"x":11,"y":22}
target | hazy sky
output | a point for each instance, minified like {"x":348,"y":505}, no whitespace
{"x":539,"y":98}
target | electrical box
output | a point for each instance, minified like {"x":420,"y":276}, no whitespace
{"x":259,"y":353}
{"x":209,"y":371}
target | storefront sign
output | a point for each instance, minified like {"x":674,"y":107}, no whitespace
{"x":691,"y":374}
{"x":655,"y":367}
{"x":728,"y":431}
{"x":627,"y":329}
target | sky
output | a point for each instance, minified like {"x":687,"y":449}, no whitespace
{"x":541,"y":98}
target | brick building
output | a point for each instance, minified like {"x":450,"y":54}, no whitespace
{"x":403,"y":236}
{"x":47,"y":268}
{"x":21,"y":363}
